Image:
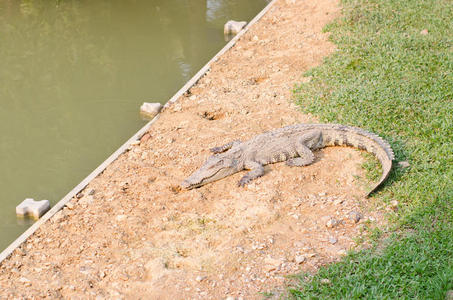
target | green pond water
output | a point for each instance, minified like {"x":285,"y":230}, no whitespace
{"x":73,"y":75}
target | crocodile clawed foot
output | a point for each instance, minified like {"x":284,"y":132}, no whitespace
{"x":244,"y":180}
{"x":299,"y":162}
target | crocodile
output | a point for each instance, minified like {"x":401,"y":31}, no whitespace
{"x":295,"y":145}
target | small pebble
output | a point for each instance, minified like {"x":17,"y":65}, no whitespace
{"x":338,"y":201}
{"x":333,"y":240}
{"x":342,"y":252}
{"x":404,"y":164}
{"x":394,"y":203}
{"x":271,"y":263}
{"x":120,"y":218}
{"x":354,"y":216}
{"x":123,"y":277}
{"x":332,"y":223}
{"x":24,"y":280}
{"x":299,"y":259}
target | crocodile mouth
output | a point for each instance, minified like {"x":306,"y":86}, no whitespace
{"x":188,"y":184}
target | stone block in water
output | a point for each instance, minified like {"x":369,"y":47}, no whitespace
{"x":150,"y":110}
{"x":233,"y":27}
{"x":30,"y":207}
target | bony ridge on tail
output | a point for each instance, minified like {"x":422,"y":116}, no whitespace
{"x":294,"y":144}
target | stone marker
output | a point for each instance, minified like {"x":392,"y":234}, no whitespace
{"x":233,"y":27}
{"x":33,"y":208}
{"x":150,"y":110}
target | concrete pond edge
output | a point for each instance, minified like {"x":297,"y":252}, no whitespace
{"x":78,"y":188}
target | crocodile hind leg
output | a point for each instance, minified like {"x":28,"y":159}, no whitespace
{"x":306,"y":156}
{"x":225,"y":147}
{"x":257,"y":170}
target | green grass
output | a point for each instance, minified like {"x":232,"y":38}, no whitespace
{"x":393,"y":80}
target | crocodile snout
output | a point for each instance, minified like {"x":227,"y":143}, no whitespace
{"x":185,"y":184}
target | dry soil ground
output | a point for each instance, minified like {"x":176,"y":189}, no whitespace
{"x":134,"y":234}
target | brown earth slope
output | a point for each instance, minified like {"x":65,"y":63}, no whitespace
{"x":134,"y":234}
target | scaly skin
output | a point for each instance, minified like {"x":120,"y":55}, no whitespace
{"x":293,"y":144}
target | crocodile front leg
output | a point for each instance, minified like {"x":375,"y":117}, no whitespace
{"x":257,"y":170}
{"x":306,"y":156}
{"x":225,"y":147}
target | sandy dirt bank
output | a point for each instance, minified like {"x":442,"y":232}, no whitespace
{"x":134,"y":234}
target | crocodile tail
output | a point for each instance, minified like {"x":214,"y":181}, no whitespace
{"x":341,"y":135}
{"x":386,"y":171}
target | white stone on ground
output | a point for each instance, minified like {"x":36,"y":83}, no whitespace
{"x":404,"y":164}
{"x":299,"y":259}
{"x":33,"y":208}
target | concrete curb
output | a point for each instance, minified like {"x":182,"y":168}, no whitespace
{"x":60,"y":204}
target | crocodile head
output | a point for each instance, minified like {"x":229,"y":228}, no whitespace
{"x":215,"y":168}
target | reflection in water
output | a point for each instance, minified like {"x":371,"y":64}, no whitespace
{"x":73,"y":75}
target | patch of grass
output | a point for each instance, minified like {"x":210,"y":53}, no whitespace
{"x":372,"y":169}
{"x":393,"y":75}
{"x":410,"y":269}
{"x":371,"y":166}
{"x":267,"y":295}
